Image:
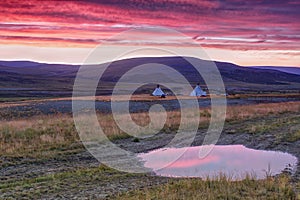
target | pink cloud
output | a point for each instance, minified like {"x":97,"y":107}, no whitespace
{"x":230,"y":24}
{"x":185,"y":163}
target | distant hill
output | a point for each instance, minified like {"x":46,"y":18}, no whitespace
{"x":24,"y":78}
{"x":19,"y":63}
{"x":290,"y":70}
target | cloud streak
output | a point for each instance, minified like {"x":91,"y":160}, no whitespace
{"x":224,"y":24}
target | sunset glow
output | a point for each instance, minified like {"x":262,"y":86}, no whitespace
{"x":245,"y":33}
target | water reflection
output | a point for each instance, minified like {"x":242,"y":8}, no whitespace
{"x":232,"y":160}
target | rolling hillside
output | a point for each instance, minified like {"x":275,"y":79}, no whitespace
{"x":30,"y":79}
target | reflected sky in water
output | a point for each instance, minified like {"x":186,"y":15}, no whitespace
{"x":233,"y":160}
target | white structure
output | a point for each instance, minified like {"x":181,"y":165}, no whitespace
{"x":198,"y":91}
{"x":158,"y":92}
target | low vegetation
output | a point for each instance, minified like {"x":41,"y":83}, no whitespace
{"x":64,"y":182}
{"x":275,"y":123}
{"x":221,"y":188}
{"x":292,"y":136}
{"x":45,"y":132}
{"x":70,"y":182}
{"x":54,"y":136}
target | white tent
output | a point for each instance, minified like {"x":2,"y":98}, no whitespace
{"x":198,"y":91}
{"x":158,"y":92}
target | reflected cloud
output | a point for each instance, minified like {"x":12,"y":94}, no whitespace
{"x":232,"y":160}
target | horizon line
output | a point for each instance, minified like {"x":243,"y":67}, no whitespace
{"x":136,"y":57}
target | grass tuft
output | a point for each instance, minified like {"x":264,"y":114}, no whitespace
{"x":221,"y":188}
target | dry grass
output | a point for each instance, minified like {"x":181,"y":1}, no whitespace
{"x":105,"y":179}
{"x":7,"y":102}
{"x":42,"y":132}
{"x":72,"y":182}
{"x":287,"y":126}
{"x":222,"y":188}
{"x":58,"y":131}
{"x":292,"y":136}
{"x":249,"y":111}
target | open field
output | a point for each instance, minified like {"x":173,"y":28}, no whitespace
{"x":11,"y":109}
{"x":42,"y":156}
{"x":24,"y":135}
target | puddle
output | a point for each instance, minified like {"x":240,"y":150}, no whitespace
{"x":234,"y":161}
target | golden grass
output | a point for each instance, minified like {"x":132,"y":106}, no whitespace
{"x":140,"y":97}
{"x":248,"y":111}
{"x":8,"y":102}
{"x":29,"y":135}
{"x":57,"y":131}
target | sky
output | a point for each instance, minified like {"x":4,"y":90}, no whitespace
{"x":248,"y":33}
